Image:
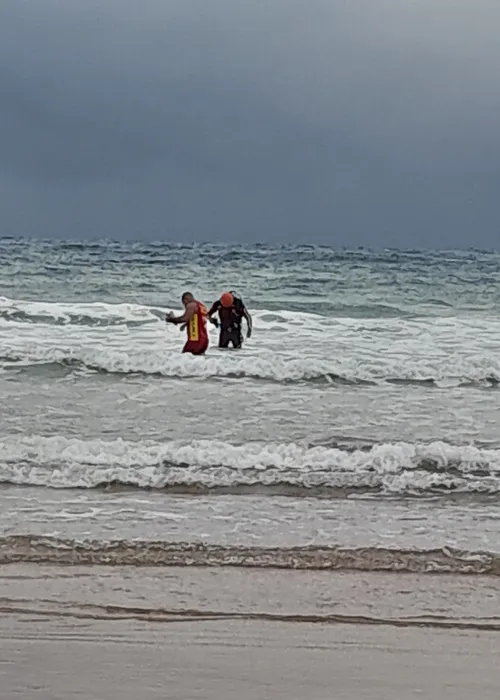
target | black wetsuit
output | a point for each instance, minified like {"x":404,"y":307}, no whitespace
{"x":230,"y":319}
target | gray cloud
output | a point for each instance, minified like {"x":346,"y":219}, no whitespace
{"x":368,"y":123}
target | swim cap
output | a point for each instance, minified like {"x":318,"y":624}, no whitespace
{"x":227,"y":299}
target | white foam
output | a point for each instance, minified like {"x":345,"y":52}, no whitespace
{"x":285,"y":346}
{"x":163,"y":357}
{"x":66,"y":313}
{"x":398,"y":468}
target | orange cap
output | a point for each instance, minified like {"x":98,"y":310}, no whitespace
{"x":227,"y":299}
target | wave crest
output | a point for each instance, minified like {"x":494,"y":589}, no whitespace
{"x":92,"y":314}
{"x":388,"y":468}
{"x":264,"y":368}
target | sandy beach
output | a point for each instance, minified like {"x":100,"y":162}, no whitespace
{"x":182,"y":661}
{"x":104,"y":633}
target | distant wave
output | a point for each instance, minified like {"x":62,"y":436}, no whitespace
{"x":387,"y":469}
{"x":53,"y":550}
{"x":95,"y":314}
{"x":72,"y":319}
{"x":341,"y":310}
{"x":102,"y":314}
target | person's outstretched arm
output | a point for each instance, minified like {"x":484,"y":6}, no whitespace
{"x":186,"y":316}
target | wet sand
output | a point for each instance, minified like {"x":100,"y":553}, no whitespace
{"x":128,"y":660}
{"x":104,"y":633}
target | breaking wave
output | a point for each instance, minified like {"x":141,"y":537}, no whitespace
{"x":132,"y":339}
{"x":391,"y":469}
{"x":265,"y":367}
{"x":107,"y":314}
{"x":53,"y":550}
{"x":82,"y":314}
{"x":156,"y":354}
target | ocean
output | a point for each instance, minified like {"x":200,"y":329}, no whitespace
{"x":358,"y":428}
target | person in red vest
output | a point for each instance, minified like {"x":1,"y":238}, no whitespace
{"x":194,"y":319}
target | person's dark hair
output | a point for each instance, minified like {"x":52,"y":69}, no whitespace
{"x":186,"y":295}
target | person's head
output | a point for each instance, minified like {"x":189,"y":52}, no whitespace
{"x":227,"y":300}
{"x":187,"y":298}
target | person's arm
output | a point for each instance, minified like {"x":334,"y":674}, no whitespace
{"x":186,"y":316}
{"x":214,"y":308}
{"x":248,"y":319}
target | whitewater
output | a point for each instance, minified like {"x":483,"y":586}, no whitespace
{"x":289,"y":346}
{"x":368,"y":394}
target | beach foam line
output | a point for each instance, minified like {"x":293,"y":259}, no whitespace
{"x":87,"y":552}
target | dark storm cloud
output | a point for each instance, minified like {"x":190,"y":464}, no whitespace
{"x":369,"y":122}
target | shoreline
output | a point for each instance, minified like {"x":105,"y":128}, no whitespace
{"x":228,"y":593}
{"x":50,"y":549}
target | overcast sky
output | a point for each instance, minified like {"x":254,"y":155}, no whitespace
{"x":346,"y":122}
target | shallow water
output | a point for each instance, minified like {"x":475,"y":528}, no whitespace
{"x":363,"y":412}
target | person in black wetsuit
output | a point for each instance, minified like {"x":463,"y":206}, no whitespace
{"x":231,"y":312}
